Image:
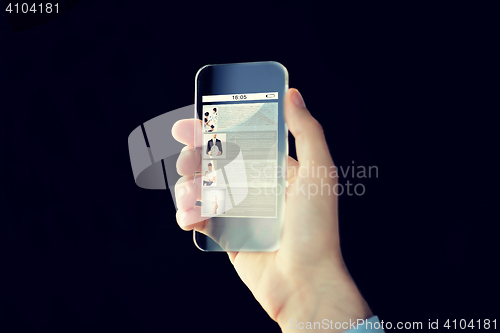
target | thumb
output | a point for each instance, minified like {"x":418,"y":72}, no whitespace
{"x":310,"y":140}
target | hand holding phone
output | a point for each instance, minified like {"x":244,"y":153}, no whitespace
{"x":305,"y":279}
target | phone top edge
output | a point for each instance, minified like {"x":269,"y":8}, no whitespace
{"x":199,"y":71}
{"x":245,"y":63}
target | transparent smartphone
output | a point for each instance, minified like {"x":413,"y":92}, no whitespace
{"x":243,"y":142}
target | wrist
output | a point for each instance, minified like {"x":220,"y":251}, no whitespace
{"x":323,"y":304}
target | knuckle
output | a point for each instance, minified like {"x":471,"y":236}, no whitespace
{"x":316,"y":126}
{"x":180,"y":182}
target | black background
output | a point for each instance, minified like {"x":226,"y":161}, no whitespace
{"x":405,"y":88}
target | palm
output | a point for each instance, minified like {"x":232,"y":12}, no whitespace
{"x":268,"y":275}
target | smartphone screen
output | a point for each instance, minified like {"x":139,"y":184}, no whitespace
{"x":243,"y":143}
{"x":240,"y":155}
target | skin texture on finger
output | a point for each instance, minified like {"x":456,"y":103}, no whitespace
{"x":191,"y":219}
{"x":309,"y":138}
{"x":186,"y":131}
{"x":189,"y":161}
{"x":187,"y":192}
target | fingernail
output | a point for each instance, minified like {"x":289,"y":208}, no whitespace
{"x":298,"y":100}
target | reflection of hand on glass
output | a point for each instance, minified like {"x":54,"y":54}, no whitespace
{"x":306,"y":279}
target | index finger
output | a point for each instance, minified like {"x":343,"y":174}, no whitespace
{"x":187,"y":131}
